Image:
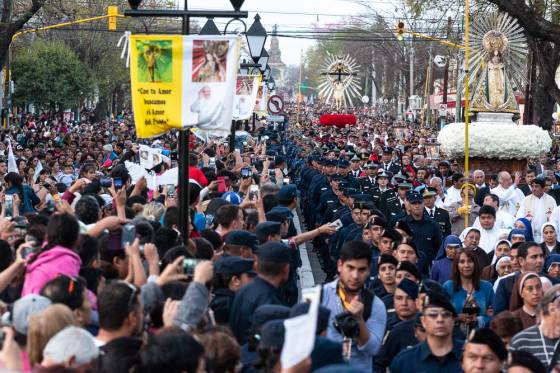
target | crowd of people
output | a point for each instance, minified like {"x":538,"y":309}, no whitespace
{"x":426,"y":270}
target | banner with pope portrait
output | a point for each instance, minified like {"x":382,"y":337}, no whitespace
{"x":182,"y":81}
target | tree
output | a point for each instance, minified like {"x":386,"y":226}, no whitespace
{"x":15,"y":14}
{"x":50,"y":76}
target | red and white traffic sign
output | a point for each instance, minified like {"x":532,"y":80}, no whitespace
{"x":275,"y":104}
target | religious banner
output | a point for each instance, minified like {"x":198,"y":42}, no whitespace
{"x":182,"y":81}
{"x":246,"y":91}
{"x":262,"y":97}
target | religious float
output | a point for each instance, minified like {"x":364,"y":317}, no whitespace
{"x":496,"y":142}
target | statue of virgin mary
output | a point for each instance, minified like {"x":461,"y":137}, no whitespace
{"x":493,"y":92}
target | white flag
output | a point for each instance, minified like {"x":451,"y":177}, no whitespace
{"x":12,"y":165}
{"x":38,"y":169}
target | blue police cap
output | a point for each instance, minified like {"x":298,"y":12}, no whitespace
{"x":233,"y":265}
{"x":268,"y":312}
{"x":409,"y":287}
{"x":276,"y":216}
{"x":266,"y":229}
{"x":343,"y":163}
{"x":330,"y":162}
{"x":287,"y":193}
{"x":272,"y":334}
{"x":413,"y":197}
{"x":282,"y":210}
{"x":274,"y":251}
{"x":241,"y":238}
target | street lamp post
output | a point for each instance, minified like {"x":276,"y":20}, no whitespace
{"x":184,"y":135}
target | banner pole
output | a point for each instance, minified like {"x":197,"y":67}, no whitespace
{"x":183,"y":157}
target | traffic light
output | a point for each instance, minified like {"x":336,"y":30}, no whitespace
{"x":400,"y":31}
{"x":112,"y":12}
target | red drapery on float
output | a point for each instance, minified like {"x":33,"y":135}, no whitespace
{"x":338,"y":120}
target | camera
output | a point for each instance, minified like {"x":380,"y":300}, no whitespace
{"x":246,"y":172}
{"x":347,"y":325}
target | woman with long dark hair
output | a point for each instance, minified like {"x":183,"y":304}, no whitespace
{"x":28,"y":198}
{"x":472,"y":297}
{"x":56,"y":257}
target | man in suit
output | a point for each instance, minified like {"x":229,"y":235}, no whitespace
{"x":439,"y":215}
{"x":482,"y":189}
{"x":530,"y":175}
{"x":381,"y":188}
{"x":367,"y":182}
{"x":355,"y":169}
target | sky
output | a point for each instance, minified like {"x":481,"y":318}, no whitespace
{"x":291,"y":15}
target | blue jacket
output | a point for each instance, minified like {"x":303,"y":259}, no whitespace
{"x":483,"y":296}
{"x":30,"y":199}
{"x":419,"y":359}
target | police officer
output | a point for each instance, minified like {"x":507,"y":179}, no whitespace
{"x":440,"y":216}
{"x":273,"y":270}
{"x":404,"y":302}
{"x":440,"y":352}
{"x":394,"y":202}
{"x":367,"y":182}
{"x":387,"y":162}
{"x":230,"y":274}
{"x":427,"y":235}
{"x":382,"y":186}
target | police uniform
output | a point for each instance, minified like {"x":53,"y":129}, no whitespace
{"x":400,"y":338}
{"x":257,"y":293}
{"x":392,"y":204}
{"x":419,"y":358}
{"x":440,"y":216}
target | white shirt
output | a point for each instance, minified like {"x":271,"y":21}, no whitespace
{"x":503,"y":220}
{"x":453,"y":195}
{"x":488,"y":238}
{"x":431,"y":211}
{"x":538,"y":211}
{"x":510,"y":198}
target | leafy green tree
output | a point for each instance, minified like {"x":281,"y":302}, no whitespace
{"x":51,"y":76}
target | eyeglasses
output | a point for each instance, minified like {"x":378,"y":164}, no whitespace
{"x":446,"y":315}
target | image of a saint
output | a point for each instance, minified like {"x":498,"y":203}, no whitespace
{"x":209,"y":61}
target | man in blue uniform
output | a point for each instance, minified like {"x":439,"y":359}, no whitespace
{"x":440,"y":352}
{"x":273,"y":270}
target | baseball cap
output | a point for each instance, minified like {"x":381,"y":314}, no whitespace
{"x":25,"y":307}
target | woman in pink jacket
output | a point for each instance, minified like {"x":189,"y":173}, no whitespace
{"x":57,"y":257}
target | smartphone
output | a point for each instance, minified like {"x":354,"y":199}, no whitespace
{"x":246,"y":172}
{"x":189,"y":265}
{"x":9,"y":205}
{"x":105,"y":182}
{"x":253,"y":192}
{"x":128,"y":235}
{"x":221,"y":184}
{"x":337,"y":224}
{"x":117,"y":182}
{"x":170,"y":190}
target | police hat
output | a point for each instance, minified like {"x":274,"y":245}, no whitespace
{"x":362,"y":197}
{"x":387,"y":258}
{"x":337,"y":177}
{"x":322,"y":316}
{"x":273,"y":251}
{"x":233,"y":265}
{"x":413,"y":197}
{"x":489,"y":338}
{"x":391,"y":234}
{"x":377,"y":220}
{"x":434,"y":299}
{"x":343,"y":163}
{"x":383,"y":173}
{"x":431,"y":286}
{"x":364,"y":156}
{"x":266,"y":229}
{"x":287,"y":193}
{"x":355,"y":158}
{"x":404,"y":185}
{"x":268,"y":312}
{"x":350,"y":192}
{"x":372,"y":165}
{"x":387,"y":150}
{"x":407,"y":266}
{"x":241,"y":238}
{"x":272,"y":334}
{"x":276,"y":216}
{"x":428,"y":192}
{"x":282,"y":210}
{"x":409,"y":287}
{"x":403,"y":226}
{"x":330,"y":162}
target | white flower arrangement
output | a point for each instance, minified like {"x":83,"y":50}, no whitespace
{"x":494,"y":140}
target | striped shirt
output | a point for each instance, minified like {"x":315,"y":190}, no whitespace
{"x":531,"y":340}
